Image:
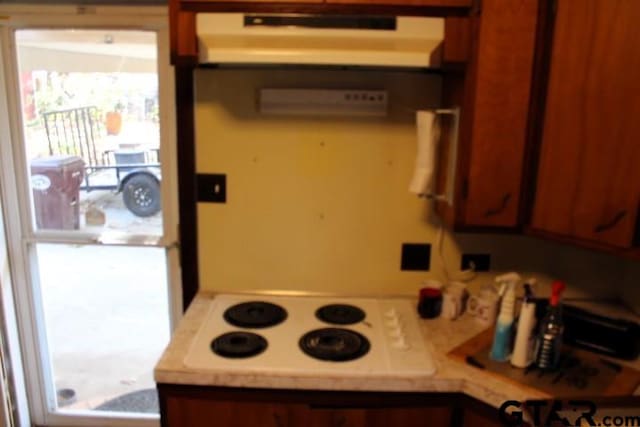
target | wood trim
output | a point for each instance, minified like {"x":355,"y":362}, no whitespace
{"x":187,"y":183}
{"x":453,"y":86}
{"x":323,"y":8}
{"x":633,"y":253}
{"x":314,"y":398}
{"x":174,"y":8}
{"x":539,"y":87}
{"x":431,"y":3}
{"x":467,"y":99}
{"x":457,"y":40}
{"x":636,"y":234}
{"x":250,"y":2}
{"x":184,"y":39}
{"x":162,"y":403}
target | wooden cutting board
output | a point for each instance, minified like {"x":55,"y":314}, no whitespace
{"x":584,"y":374}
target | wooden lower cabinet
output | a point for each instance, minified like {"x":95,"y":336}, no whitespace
{"x":475,"y":418}
{"x":380,"y":417}
{"x":203,"y":412}
{"x":192,"y":406}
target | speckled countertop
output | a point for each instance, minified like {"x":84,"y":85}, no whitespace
{"x":441,"y":336}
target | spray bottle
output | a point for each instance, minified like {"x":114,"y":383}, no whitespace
{"x":504,"y":324}
{"x":549,"y":339}
{"x":523,"y":348}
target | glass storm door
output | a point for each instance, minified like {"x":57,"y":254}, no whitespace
{"x":94,"y":202}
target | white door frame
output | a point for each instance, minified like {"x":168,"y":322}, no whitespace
{"x":16,"y":192}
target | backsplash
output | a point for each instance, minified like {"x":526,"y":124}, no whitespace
{"x":316,"y":204}
{"x":322,"y":204}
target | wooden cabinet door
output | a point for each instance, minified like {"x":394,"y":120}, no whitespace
{"x":477,"y":419}
{"x":588,"y":183}
{"x":181,"y":411}
{"x":501,"y":96}
{"x":494,"y":94}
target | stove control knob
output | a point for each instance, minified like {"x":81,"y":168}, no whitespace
{"x":400,"y":344}
{"x":396,"y":333}
{"x":393,"y":322}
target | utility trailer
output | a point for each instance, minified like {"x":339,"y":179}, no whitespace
{"x":133,"y":172}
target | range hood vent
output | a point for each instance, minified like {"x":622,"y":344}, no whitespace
{"x":235,"y":38}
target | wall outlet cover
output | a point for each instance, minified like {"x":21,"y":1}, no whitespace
{"x":416,"y":257}
{"x":479,"y":262}
{"x":212,"y":188}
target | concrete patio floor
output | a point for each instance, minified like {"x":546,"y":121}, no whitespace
{"x":106,"y":310}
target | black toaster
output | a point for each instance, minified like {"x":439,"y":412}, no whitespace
{"x":618,"y":338}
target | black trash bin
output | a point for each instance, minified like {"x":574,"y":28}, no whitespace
{"x":55,"y":182}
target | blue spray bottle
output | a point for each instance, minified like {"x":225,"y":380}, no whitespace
{"x":501,"y":349}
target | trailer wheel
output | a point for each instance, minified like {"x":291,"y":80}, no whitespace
{"x":141,"y":195}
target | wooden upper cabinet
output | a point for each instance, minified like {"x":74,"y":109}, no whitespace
{"x":495,"y":95}
{"x":588,"y":184}
{"x":500,"y":110}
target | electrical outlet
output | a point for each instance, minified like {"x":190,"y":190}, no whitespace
{"x":416,"y":257}
{"x":212,"y":188}
{"x":476,"y":262}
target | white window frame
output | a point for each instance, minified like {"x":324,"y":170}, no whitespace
{"x":22,"y":236}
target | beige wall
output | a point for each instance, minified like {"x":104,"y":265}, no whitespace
{"x":319,"y":204}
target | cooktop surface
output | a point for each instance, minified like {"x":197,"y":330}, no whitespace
{"x":317,"y":335}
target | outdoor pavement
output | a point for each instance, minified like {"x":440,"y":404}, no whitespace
{"x":117,"y":217}
{"x":106,"y":309}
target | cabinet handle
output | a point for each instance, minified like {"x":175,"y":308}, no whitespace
{"x":278,"y":420}
{"x":502,"y":207}
{"x":607,"y":225}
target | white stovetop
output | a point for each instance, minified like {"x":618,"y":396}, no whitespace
{"x":390,"y":325}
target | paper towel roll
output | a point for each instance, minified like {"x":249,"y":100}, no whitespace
{"x":428,"y":135}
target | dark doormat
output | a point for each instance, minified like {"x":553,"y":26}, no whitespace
{"x":145,"y":401}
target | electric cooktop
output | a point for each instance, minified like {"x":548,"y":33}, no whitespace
{"x":297,"y":334}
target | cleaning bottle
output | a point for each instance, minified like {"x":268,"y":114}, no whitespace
{"x":549,"y":340}
{"x":504,"y":324}
{"x":523,"y":348}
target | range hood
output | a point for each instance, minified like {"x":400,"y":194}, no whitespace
{"x":235,"y":38}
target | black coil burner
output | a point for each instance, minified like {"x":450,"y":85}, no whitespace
{"x":237,"y":345}
{"x":334,"y":344}
{"x":255,"y":314}
{"x":340,"y":314}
